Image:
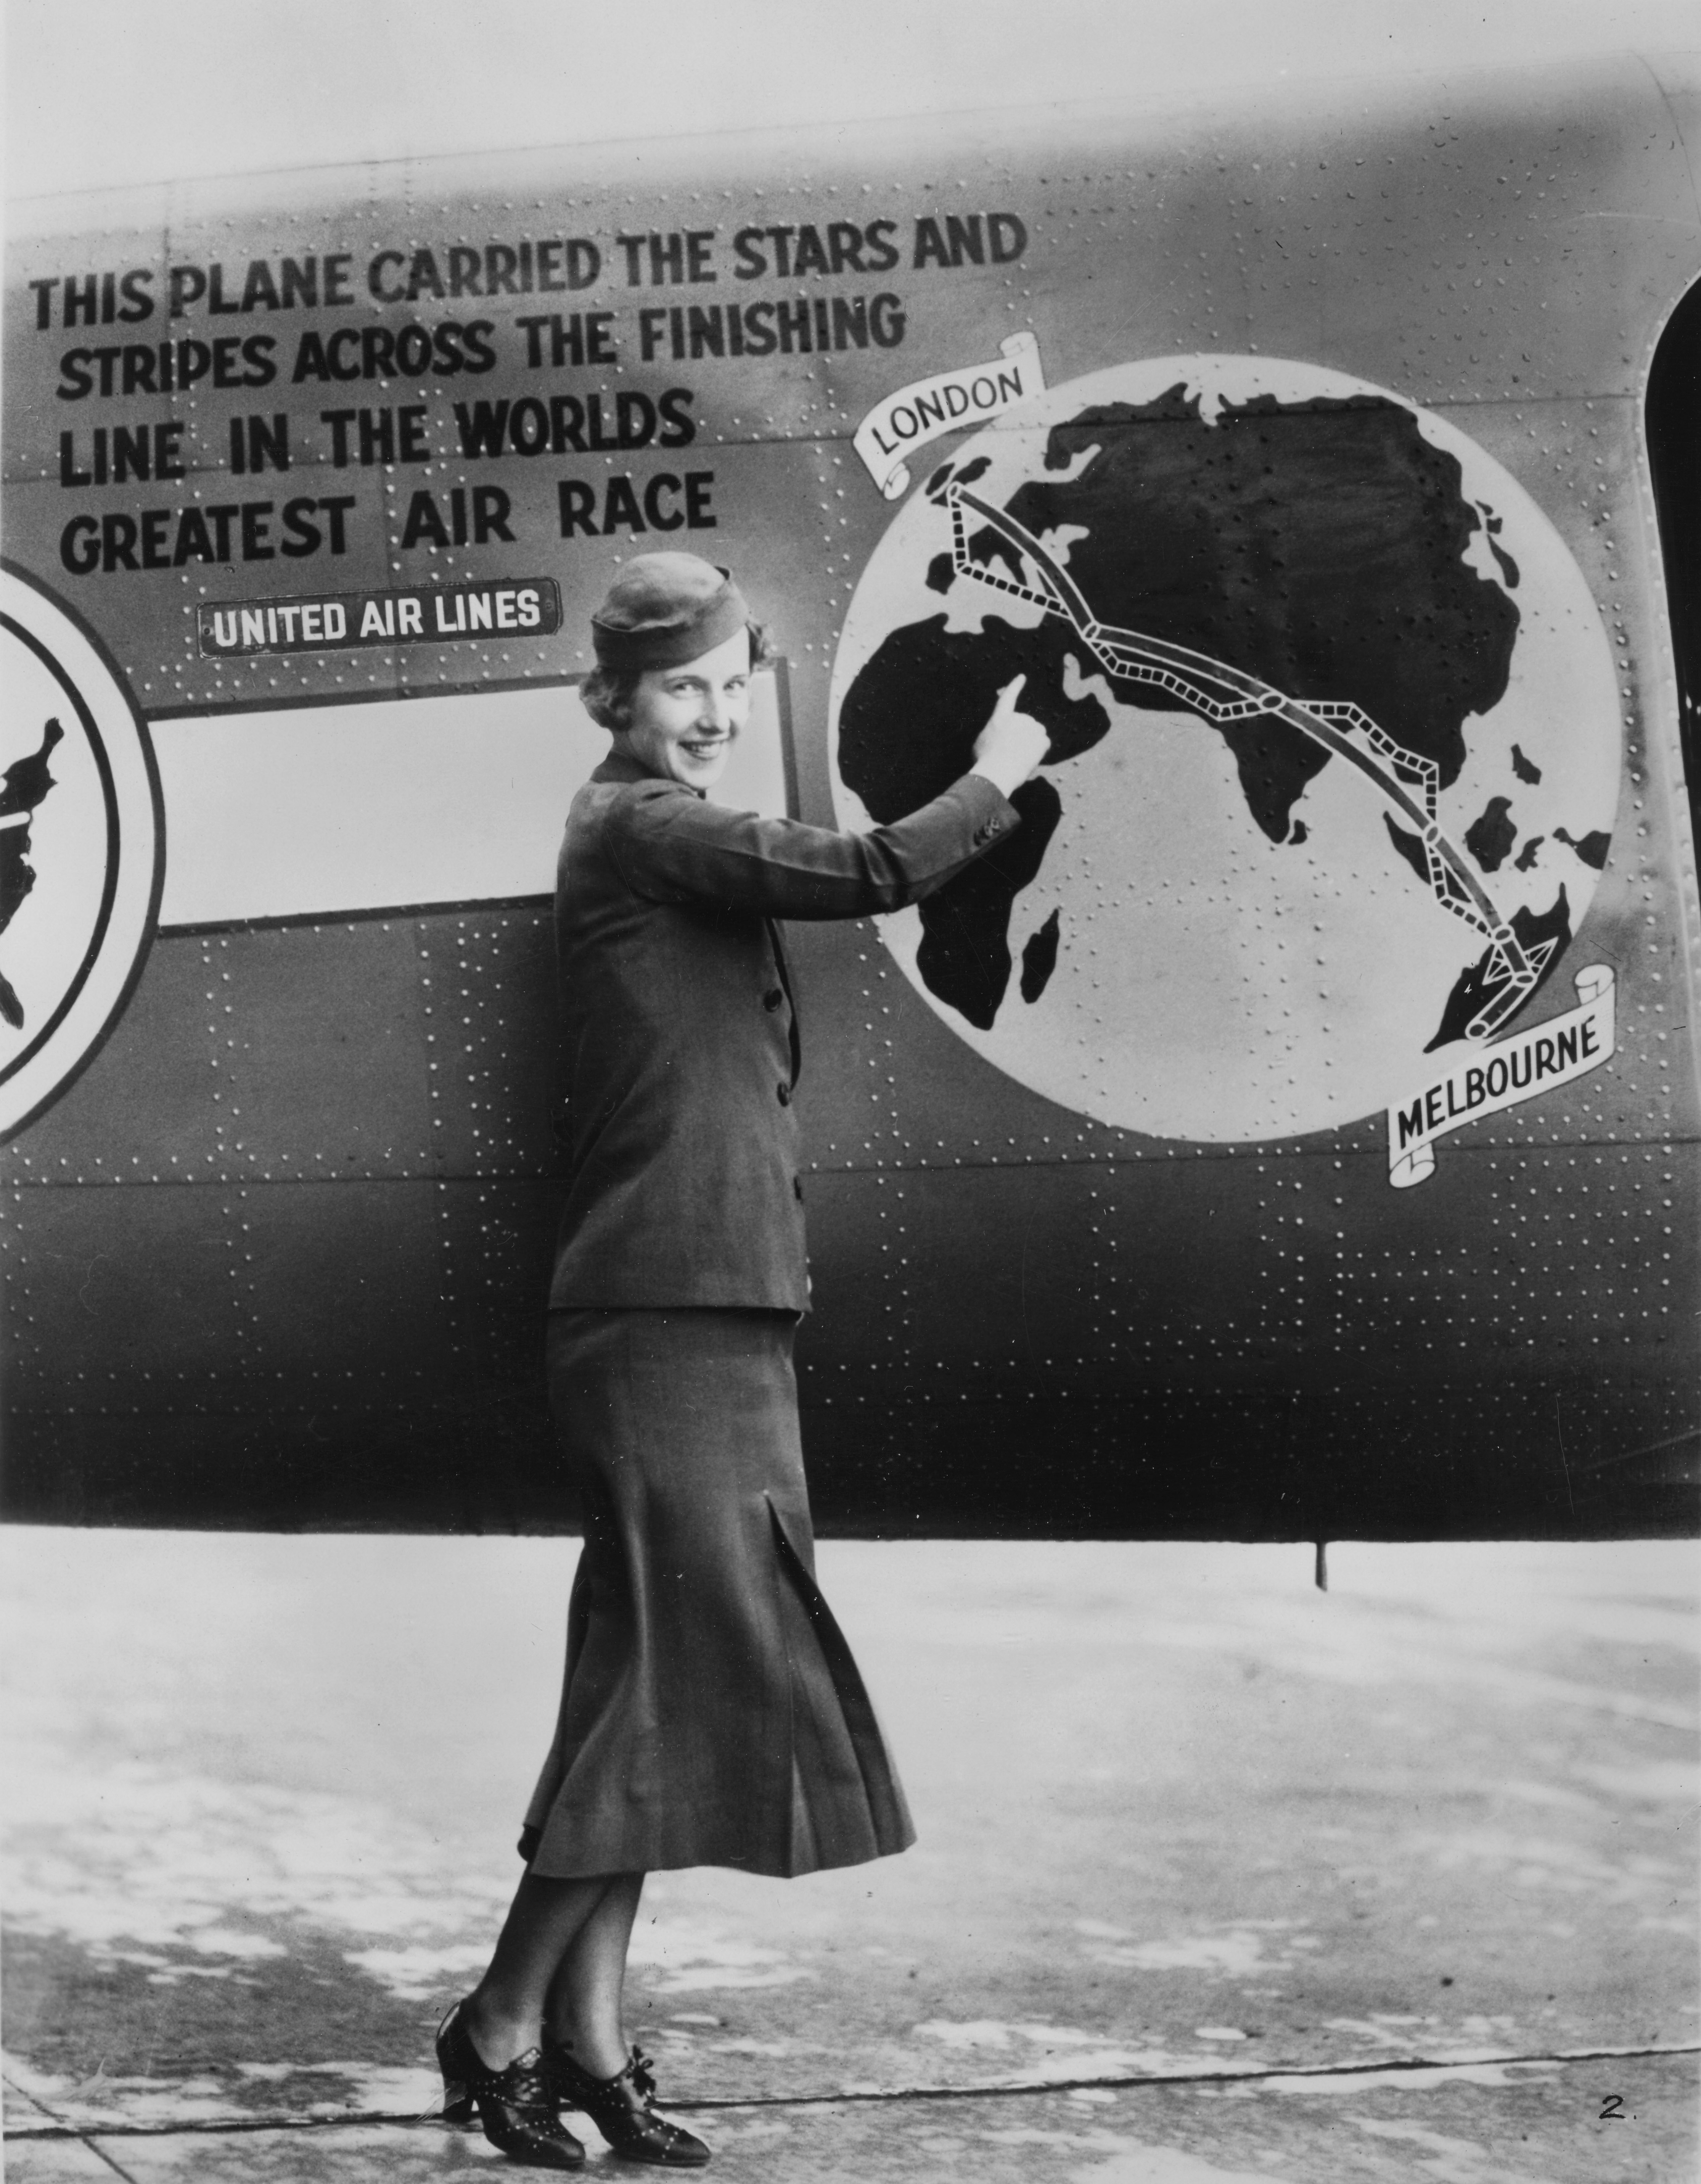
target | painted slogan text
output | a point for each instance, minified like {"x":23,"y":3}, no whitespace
{"x":427,"y":326}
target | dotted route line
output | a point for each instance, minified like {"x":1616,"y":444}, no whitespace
{"x":1513,"y":970}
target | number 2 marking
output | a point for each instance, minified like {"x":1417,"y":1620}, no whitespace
{"x":1612,"y":2109}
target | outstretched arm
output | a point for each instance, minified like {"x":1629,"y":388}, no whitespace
{"x":676,"y":848}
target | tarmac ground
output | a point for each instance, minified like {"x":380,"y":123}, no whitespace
{"x":1220,"y":1878}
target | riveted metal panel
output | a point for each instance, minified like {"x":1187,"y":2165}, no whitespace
{"x":1212,"y":1330}
{"x":1461,"y":1459}
{"x":291,"y":1468}
{"x":496,"y":1241}
{"x":488,"y":982}
{"x":1114,"y":1269}
{"x":143,"y":1110}
{"x":176,"y":1295}
{"x":317,"y":1037}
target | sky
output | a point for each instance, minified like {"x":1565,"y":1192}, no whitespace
{"x":104,"y":93}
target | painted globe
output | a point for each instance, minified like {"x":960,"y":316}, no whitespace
{"x":1334,"y":741}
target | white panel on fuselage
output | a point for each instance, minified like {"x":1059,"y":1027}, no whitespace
{"x":400,"y":802}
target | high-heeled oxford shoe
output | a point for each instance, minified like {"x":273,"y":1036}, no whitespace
{"x":516,"y":2105}
{"x":622,"y":2108}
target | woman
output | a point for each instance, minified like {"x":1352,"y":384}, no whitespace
{"x":711,"y":1711}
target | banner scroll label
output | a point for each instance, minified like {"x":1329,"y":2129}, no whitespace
{"x":896,"y":427}
{"x":1546,"y":1056}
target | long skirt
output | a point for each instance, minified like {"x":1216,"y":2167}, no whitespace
{"x":711,"y":1713}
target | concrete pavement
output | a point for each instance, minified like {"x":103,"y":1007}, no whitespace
{"x":1218,"y":1877}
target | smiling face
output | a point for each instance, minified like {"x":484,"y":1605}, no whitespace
{"x":684,"y":718}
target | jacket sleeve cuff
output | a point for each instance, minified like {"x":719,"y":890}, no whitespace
{"x":993,"y":812}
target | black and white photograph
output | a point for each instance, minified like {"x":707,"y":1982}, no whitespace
{"x":849,"y":1088}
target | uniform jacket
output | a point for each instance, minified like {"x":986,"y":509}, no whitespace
{"x":682,"y":1046}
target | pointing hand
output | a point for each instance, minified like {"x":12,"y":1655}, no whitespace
{"x":1012,"y":743}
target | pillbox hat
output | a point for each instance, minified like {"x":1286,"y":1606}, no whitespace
{"x":663,"y":610}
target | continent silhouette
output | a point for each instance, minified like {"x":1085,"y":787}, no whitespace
{"x":907,"y":731}
{"x":1319,"y":545}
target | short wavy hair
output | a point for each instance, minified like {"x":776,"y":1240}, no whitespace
{"x":607,"y":692}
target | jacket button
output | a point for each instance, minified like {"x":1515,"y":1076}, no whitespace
{"x":784,"y":1094}
{"x":772,"y":999}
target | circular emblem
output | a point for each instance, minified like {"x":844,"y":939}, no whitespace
{"x":81,"y":848}
{"x":1335,"y":742}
